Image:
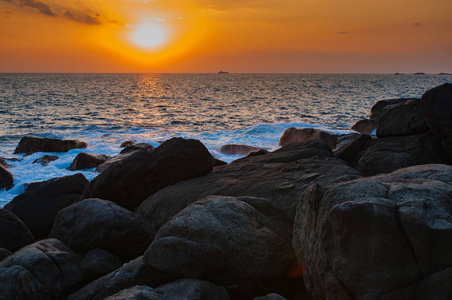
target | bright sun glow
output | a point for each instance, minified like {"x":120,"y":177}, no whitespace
{"x":149,"y":36}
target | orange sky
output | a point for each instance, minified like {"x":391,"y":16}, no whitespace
{"x":264,"y":36}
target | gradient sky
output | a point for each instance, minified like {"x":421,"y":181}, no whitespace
{"x":262,"y":36}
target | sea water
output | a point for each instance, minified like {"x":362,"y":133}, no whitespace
{"x":105,"y":110}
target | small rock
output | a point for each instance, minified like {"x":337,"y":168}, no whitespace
{"x":88,"y":160}
{"x":299,"y":135}
{"x":127,"y":143}
{"x":45,"y":160}
{"x":6,"y":179}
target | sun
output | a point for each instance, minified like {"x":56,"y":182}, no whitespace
{"x":149,"y":36}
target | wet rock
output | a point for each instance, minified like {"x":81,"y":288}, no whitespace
{"x":225,"y":240}
{"x":382,"y":106}
{"x":192,"y":289}
{"x":138,"y":293}
{"x":95,"y":223}
{"x":41,"y":201}
{"x":43,"y":270}
{"x":4,"y":163}
{"x":235,"y":149}
{"x":126,"y":144}
{"x":145,"y":172}
{"x":298,"y":135}
{"x":382,"y":235}
{"x":366,"y":126}
{"x":88,"y":160}
{"x":97,"y":263}
{"x":46,"y":160}
{"x":14,"y":234}
{"x":30,"y":145}
{"x":6,"y":179}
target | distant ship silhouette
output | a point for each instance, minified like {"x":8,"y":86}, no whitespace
{"x":223,"y":72}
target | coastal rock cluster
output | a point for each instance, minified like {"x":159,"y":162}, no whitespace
{"x":323,"y":217}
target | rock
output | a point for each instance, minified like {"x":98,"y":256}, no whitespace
{"x":4,"y":253}
{"x":380,"y":107}
{"x":234,"y":149}
{"x":437,"y":108}
{"x":298,"y":135}
{"x":258,"y":152}
{"x":350,"y":151}
{"x":41,"y":201}
{"x":346,"y":139}
{"x":270,"y":297}
{"x":88,"y":160}
{"x":97,"y":263}
{"x":95,"y":223}
{"x":280,"y":176}
{"x":129,"y":275}
{"x":46,"y":160}
{"x":127,"y":143}
{"x":14,"y":234}
{"x":366,"y":126}
{"x":145,"y":172}
{"x":4,"y":164}
{"x":403,"y":119}
{"x":6,"y":179}
{"x":218,"y":162}
{"x":30,"y":145}
{"x":138,"y":293}
{"x":43,"y":270}
{"x":192,"y":289}
{"x":225,"y":240}
{"x":136,"y":147}
{"x":379,"y":235}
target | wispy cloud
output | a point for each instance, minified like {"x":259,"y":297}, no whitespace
{"x":82,"y":18}
{"x":42,"y":7}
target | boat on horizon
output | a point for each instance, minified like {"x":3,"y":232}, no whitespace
{"x":223,"y":72}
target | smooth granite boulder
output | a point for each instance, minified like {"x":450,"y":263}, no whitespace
{"x":350,"y":151}
{"x":379,"y":237}
{"x":235,"y":149}
{"x":43,"y":270}
{"x":41,"y":201}
{"x":46,"y":160}
{"x":366,"y":126}
{"x":383,"y":106}
{"x":95,"y":223}
{"x":145,"y":172}
{"x":30,"y":145}
{"x":138,"y":292}
{"x":294,"y":135}
{"x":136,"y":147}
{"x":97,"y":263}
{"x":6,"y":179}
{"x":129,"y":275}
{"x":192,"y":289}
{"x":225,"y":240}
{"x":14,"y":234}
{"x":88,"y":160}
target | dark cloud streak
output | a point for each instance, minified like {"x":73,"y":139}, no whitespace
{"x":84,"y":18}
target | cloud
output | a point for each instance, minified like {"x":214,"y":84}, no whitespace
{"x":139,"y":1}
{"x":156,"y":19}
{"x":82,"y":18}
{"x":417,"y":24}
{"x":42,"y":7}
{"x":343,"y":32}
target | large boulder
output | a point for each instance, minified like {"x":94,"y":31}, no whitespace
{"x":225,"y":240}
{"x":383,"y":106}
{"x":192,"y":289}
{"x":137,"y":147}
{"x":378,"y":237}
{"x":145,"y":172}
{"x":88,"y":160}
{"x":43,"y":270}
{"x":97,"y":263}
{"x":235,"y":149}
{"x":294,"y":135}
{"x":30,"y":145}
{"x":95,"y":223}
{"x":129,"y":275}
{"x":403,"y":119}
{"x":14,"y":234}
{"x":6,"y":179}
{"x":366,"y":126}
{"x":437,"y":108}
{"x":350,"y":151}
{"x":41,"y":201}
{"x":138,"y":292}
{"x":280,"y":176}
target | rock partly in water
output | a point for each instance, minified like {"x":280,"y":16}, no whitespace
{"x":129,"y":275}
{"x":299,"y":135}
{"x":4,"y":163}
{"x":383,"y":235}
{"x":39,"y":204}
{"x":6,"y":179}
{"x":88,"y":160}
{"x":14,"y":234}
{"x":235,"y":149}
{"x":30,"y":145}
{"x":46,"y":160}
{"x":97,"y":263}
{"x":225,"y":240}
{"x":138,"y":292}
{"x":43,"y":270}
{"x":192,"y":289}
{"x":95,"y":223}
{"x":145,"y":172}
{"x":366,"y":126}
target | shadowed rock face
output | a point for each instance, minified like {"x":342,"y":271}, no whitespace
{"x":14,"y":234}
{"x":299,"y":135}
{"x":30,"y":145}
{"x":192,"y":289}
{"x":365,"y":126}
{"x":88,"y":160}
{"x":382,"y":106}
{"x":387,"y":235}
{"x":6,"y":179}
{"x":143,"y":173}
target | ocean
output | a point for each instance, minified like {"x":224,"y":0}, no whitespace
{"x":105,"y":110}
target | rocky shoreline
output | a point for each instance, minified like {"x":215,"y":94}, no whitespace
{"x":324,"y":216}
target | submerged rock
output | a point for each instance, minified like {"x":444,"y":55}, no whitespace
{"x":88,"y":160}
{"x":30,"y":145}
{"x":299,"y":135}
{"x":46,"y":160}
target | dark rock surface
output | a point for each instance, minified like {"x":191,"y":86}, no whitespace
{"x":14,"y":234}
{"x":129,"y":275}
{"x":145,"y":172}
{"x":97,"y":263}
{"x":225,"y":240}
{"x":350,"y":151}
{"x":30,"y":145}
{"x":4,"y":253}
{"x":138,"y":293}
{"x":270,"y":297}
{"x":382,"y":106}
{"x":366,"y":126}
{"x":6,"y":179}
{"x":386,"y":235}
{"x":41,"y":201}
{"x":192,"y":289}
{"x":43,"y":270}
{"x":95,"y":223}
{"x":299,"y":135}
{"x":4,"y":163}
{"x":46,"y":160}
{"x":88,"y":160}
{"x":137,"y":147}
{"x":280,"y":176}
{"x":127,"y":143}
{"x":235,"y":149}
